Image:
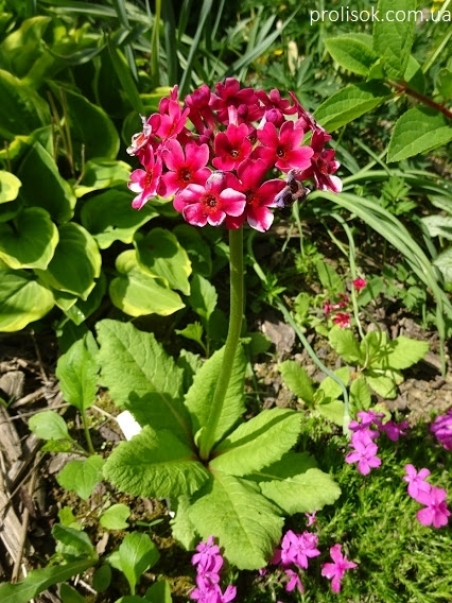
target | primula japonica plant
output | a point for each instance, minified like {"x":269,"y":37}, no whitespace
{"x":228,"y":157}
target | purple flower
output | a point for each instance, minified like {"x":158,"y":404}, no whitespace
{"x":294,"y":581}
{"x":416,"y":481}
{"x":336,"y":571}
{"x":367,"y":418}
{"x":213,"y":594}
{"x":395,"y":430}
{"x":310,"y":518}
{"x":435,"y":512}
{"x":208,"y":558}
{"x":209,"y":562}
{"x":364,"y":454}
{"x":442,"y":429}
{"x":297,"y":548}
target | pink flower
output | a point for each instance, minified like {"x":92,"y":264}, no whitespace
{"x":364,"y":454}
{"x":311,"y":519}
{"x":185,"y":166}
{"x":231,"y":147}
{"x":210,"y":203}
{"x":342,"y":319}
{"x":359,"y":283}
{"x":323,"y":164}
{"x":395,"y":430}
{"x":298,"y":548}
{"x":260,"y":196}
{"x":235,"y":104}
{"x":442,"y":429}
{"x":416,"y":481}
{"x":336,"y":571}
{"x":294,"y":581}
{"x":146,"y":182}
{"x":436,"y":512}
{"x":283,"y":148}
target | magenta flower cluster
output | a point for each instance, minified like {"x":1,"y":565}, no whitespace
{"x":222,"y":154}
{"x":208,"y":562}
{"x":365,"y":431}
{"x":435,"y":512}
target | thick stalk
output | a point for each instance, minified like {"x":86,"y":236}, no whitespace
{"x":235,"y":325}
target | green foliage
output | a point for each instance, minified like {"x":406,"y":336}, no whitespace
{"x":136,"y":554}
{"x":223,"y":495}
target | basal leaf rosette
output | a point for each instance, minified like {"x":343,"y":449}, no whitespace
{"x":231,"y":155}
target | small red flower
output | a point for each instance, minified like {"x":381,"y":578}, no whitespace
{"x":359,"y":283}
{"x":231,"y":147}
{"x":185,"y":168}
{"x":283,"y":148}
{"x":342,"y":319}
{"x":146,"y":182}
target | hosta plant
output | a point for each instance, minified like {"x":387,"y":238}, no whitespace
{"x":228,"y":157}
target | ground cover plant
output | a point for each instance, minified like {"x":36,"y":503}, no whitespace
{"x":177,"y":233}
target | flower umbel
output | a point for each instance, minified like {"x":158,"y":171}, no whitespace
{"x":225,"y":155}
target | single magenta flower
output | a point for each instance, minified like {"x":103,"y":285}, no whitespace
{"x":298,"y":548}
{"x":359,"y":283}
{"x":209,"y":203}
{"x":435,"y":512}
{"x":231,"y":147}
{"x":335,"y":571}
{"x":342,"y":319}
{"x":364,"y":454}
{"x":185,"y":166}
{"x":294,"y":581}
{"x":283,"y":148}
{"x":146,"y":182}
{"x":416,"y":481}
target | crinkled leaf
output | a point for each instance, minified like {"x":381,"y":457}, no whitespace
{"x":329,"y":388}
{"x":346,"y":345}
{"x":155,"y":464}
{"x":81,"y":477}
{"x":137,"y":553}
{"x":182,"y":527}
{"x":77,"y":373}
{"x":198,"y":399}
{"x":439,"y":226}
{"x":360,"y":397}
{"x":102,"y":173}
{"x":160,"y":254}
{"x":22,"y":300}
{"x":137,"y":293}
{"x":402,"y":353}
{"x":418,"y":130}
{"x":30,"y":241}
{"x":333,"y":410}
{"x":257,"y":443}
{"x":296,"y":485}
{"x":247,"y":524}
{"x":394,"y":37}
{"x":297,"y":380}
{"x":49,"y":425}
{"x":142,"y":377}
{"x":443,"y":262}
{"x":351,"y":53}
{"x":350,"y":103}
{"x":384,"y":383}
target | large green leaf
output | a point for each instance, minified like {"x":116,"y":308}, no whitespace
{"x":102,"y":173}
{"x":39,"y":580}
{"x":247,"y":524}
{"x":137,"y":293}
{"x":296,"y":485}
{"x":22,"y":110}
{"x":42,"y":185}
{"x":142,"y":377}
{"x":257,"y":443}
{"x":9,"y":187}
{"x":351,"y":53}
{"x":29,"y":241}
{"x":76,"y":262}
{"x":350,"y":103}
{"x":77,"y":374}
{"x":346,"y":345}
{"x":417,"y":131}
{"x":23,"y":46}
{"x":160,"y":254}
{"x":155,"y":464}
{"x":91,"y":128}
{"x":199,"y":397}
{"x":137,"y":553}
{"x":109,"y":217}
{"x":393,"y":37}
{"x":22,"y":300}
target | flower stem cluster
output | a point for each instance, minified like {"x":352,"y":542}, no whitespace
{"x":364,"y":433}
{"x":222,"y":154}
{"x":208,"y":562}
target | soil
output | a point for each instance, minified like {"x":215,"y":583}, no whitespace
{"x":30,"y":497}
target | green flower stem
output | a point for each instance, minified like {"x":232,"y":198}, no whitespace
{"x":235,"y":326}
